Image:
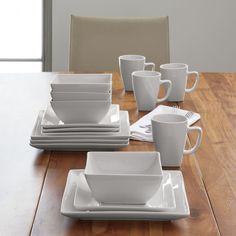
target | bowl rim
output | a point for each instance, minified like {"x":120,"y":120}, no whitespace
{"x":100,"y":75}
{"x":82,"y":101}
{"x":157,"y":157}
{"x":82,"y":93}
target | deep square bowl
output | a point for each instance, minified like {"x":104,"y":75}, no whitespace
{"x":123,"y":177}
{"x":99,"y":83}
{"x":86,"y":111}
{"x":68,"y":96}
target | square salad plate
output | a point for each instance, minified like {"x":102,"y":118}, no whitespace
{"x":162,"y":200}
{"x":124,"y":132}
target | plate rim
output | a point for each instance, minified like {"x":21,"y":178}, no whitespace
{"x":145,"y":215}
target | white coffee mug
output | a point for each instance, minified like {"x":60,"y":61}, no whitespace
{"x":129,"y":64}
{"x":178,"y":74}
{"x":146,"y":85}
{"x":169,"y":134}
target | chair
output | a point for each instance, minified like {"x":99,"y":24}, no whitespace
{"x":96,"y":43}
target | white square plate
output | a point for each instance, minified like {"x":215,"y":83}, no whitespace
{"x":80,"y":129}
{"x":79,"y":146}
{"x":124,"y":132}
{"x":162,"y":200}
{"x":78,"y":141}
{"x":181,"y":210}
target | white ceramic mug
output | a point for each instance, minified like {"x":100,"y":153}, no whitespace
{"x":129,"y":64}
{"x":178,"y":74}
{"x":169,"y":134}
{"x":146,"y":85}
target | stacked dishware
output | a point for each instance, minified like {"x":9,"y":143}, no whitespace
{"x":81,"y":115}
{"x":125,"y":185}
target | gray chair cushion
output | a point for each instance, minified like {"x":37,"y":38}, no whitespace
{"x":96,"y":43}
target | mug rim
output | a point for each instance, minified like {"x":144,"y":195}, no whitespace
{"x":180,"y":119}
{"x":132,"y":57}
{"x":146,"y":73}
{"x":174,"y":66}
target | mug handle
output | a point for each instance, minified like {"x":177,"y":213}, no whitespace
{"x":150,"y":64}
{"x":169,"y":84}
{"x":188,"y":90}
{"x":198,"y":142}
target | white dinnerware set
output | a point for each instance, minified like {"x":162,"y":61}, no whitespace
{"x":121,"y":185}
{"x":124,"y":185}
{"x":81,"y":115}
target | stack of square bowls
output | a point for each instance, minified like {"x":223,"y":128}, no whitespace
{"x":80,"y":116}
{"x":81,"y":98}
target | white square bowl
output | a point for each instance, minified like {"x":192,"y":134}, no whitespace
{"x":86,"y":111}
{"x":67,"y":96}
{"x":123,"y":177}
{"x":101,"y":83}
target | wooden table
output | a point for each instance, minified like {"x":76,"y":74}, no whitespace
{"x":32,"y":181}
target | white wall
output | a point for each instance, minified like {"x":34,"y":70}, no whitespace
{"x":202,"y":33}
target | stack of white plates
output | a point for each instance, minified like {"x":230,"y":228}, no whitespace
{"x":50,"y":133}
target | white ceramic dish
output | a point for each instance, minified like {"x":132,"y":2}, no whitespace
{"x":79,"y":146}
{"x":80,"y":141}
{"x":123,"y":177}
{"x":181,"y":210}
{"x":52,"y":123}
{"x":124,"y":132}
{"x":66,"y":96}
{"x":162,"y":200}
{"x":98,"y":83}
{"x":78,"y":130}
{"x":90,"y":111}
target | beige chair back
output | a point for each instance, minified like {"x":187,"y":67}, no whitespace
{"x":96,"y":43}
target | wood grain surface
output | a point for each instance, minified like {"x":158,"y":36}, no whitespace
{"x":22,"y":168}
{"x":32,"y":182}
{"x":215,"y":100}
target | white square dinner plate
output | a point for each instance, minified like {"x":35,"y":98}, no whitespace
{"x":80,"y":141}
{"x":162,"y":200}
{"x":79,"y":129}
{"x":124,"y":132}
{"x":181,"y":210}
{"x":51,"y":123}
{"x":79,"y":146}
{"x":77,"y":141}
